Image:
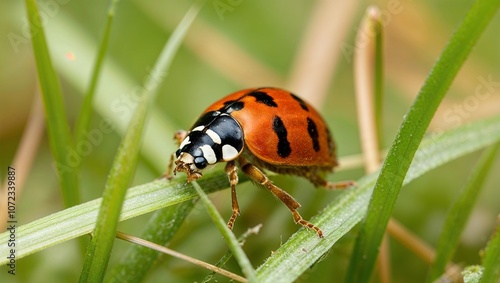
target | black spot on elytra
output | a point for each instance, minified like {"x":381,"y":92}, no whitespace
{"x":313,"y":133}
{"x":302,"y":103}
{"x":232,"y":105}
{"x":279,"y":128}
{"x":331,"y":144}
{"x":262,"y":97}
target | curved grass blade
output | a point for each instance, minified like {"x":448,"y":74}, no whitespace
{"x":409,"y":136}
{"x":122,"y":171}
{"x":57,"y":124}
{"x":81,"y":219}
{"x":459,"y":213}
{"x":336,"y":220}
{"x":99,"y":250}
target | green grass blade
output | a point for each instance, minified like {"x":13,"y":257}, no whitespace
{"x":81,"y":219}
{"x":98,"y":252}
{"x":83,"y":122}
{"x":228,"y":235}
{"x":125,"y":162}
{"x":57,"y":123}
{"x":289,"y":261}
{"x":491,"y":258}
{"x":409,"y":136}
{"x":459,"y":213}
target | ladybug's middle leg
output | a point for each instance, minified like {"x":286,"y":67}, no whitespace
{"x":179,"y":136}
{"x":231,"y":171}
{"x":258,"y":176}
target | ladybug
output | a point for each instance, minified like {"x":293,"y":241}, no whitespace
{"x":255,"y":129}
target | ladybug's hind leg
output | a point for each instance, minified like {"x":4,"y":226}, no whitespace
{"x":179,"y":136}
{"x":258,"y":176}
{"x":339,"y":185}
{"x":319,"y":181}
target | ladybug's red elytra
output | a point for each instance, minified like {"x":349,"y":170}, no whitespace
{"x":256,"y":129}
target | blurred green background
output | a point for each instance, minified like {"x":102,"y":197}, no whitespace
{"x":239,"y":45}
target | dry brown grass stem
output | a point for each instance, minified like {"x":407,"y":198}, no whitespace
{"x":364,"y":75}
{"x":25,"y":154}
{"x":220,"y":52}
{"x":162,"y":249}
{"x":320,"y":51}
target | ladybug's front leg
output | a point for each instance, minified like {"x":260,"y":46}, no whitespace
{"x":231,"y":171}
{"x":258,"y":176}
{"x":179,"y":136}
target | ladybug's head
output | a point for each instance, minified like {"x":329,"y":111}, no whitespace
{"x":185,"y":163}
{"x":220,"y":139}
{"x":194,"y":155}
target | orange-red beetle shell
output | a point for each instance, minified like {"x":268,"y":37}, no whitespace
{"x":280,"y":128}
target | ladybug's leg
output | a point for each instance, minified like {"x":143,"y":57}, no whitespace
{"x":339,"y":185}
{"x":231,"y":171}
{"x":168,"y":174}
{"x":179,"y":136}
{"x":319,"y":181}
{"x":258,"y":176}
